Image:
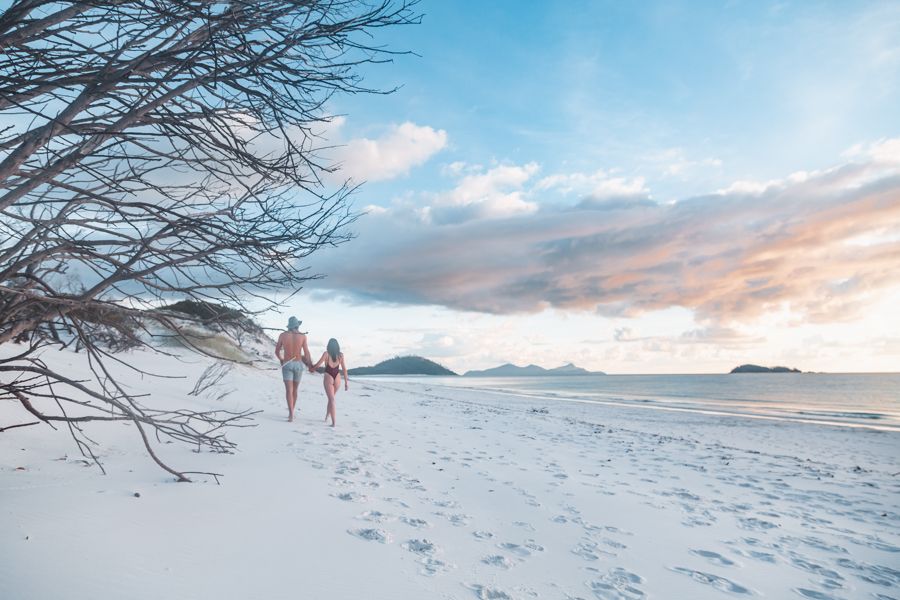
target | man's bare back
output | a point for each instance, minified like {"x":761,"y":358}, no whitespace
{"x":291,"y":346}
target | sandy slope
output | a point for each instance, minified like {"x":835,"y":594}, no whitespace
{"x":427,"y":492}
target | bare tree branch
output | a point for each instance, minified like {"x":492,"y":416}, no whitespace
{"x":160,"y":151}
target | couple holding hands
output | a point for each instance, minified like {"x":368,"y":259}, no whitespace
{"x":293,"y":354}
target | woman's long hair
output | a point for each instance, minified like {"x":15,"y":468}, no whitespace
{"x":334,"y":349}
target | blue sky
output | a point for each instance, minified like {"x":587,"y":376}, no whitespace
{"x":765,"y":87}
{"x":545,"y":173}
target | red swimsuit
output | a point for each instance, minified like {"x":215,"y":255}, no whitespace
{"x":333,"y":371}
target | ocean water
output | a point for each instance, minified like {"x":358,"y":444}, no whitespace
{"x":851,"y":400}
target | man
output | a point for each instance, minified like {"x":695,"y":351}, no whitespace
{"x":293,"y":353}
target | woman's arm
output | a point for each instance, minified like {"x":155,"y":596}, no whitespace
{"x":344,"y":369}
{"x":312,"y":368}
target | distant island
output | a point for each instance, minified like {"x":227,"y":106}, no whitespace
{"x":509,"y":370}
{"x":759,"y":369}
{"x":404,"y":365}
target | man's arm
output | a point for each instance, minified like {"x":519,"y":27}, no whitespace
{"x":307,"y":357}
{"x":279,"y":346}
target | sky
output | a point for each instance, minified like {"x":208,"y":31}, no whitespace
{"x":633,"y":187}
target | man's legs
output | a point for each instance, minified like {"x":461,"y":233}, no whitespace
{"x":296,"y":384}
{"x":290,"y":396}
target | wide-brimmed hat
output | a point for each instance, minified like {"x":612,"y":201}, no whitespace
{"x":294,"y":323}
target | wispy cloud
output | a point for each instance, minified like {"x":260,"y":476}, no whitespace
{"x":599,"y":184}
{"x":790,"y":244}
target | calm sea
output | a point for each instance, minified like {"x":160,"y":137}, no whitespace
{"x":867,"y":400}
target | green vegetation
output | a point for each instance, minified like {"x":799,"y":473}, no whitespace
{"x":212,"y":344}
{"x":206,"y":311}
{"x":404,"y":365}
{"x":759,"y":369}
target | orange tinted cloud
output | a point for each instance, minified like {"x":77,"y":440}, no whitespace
{"x":820,"y":245}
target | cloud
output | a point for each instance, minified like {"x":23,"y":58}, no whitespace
{"x":391,"y":155}
{"x":625,"y":334}
{"x":885,"y":151}
{"x":492,"y":194}
{"x":674,"y":162}
{"x":435,"y":345}
{"x":722,"y":337}
{"x":600,"y":185}
{"x":786,"y":245}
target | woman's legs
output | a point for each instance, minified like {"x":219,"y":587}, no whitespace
{"x":334,"y":391}
{"x":329,"y":391}
{"x":331,"y":387}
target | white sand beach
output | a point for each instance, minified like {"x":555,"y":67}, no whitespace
{"x":425,"y":491}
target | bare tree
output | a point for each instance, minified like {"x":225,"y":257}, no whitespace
{"x":159,"y":149}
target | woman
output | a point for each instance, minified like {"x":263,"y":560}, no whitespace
{"x":334,"y":364}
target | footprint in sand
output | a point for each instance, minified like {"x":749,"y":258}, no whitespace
{"x":351,"y":497}
{"x":720,"y":583}
{"x":446,"y":503}
{"x":488,"y":593}
{"x":483,"y":535}
{"x":523,"y":550}
{"x":706,"y":519}
{"x":759,"y":555}
{"x":873,"y":542}
{"x":588,"y":550}
{"x":414,"y":522}
{"x":816,"y":595}
{"x":877,"y":574}
{"x":421,"y":547}
{"x":612,"y":529}
{"x":345,"y":468}
{"x":497,"y":560}
{"x":372,"y":535}
{"x":754,"y":524}
{"x":801,"y":562}
{"x":813,"y":542}
{"x":617,"y":584}
{"x":713,"y":557}
{"x":375,"y":516}
{"x":614,"y":544}
{"x":432,"y":566}
{"x":427,"y":551}
{"x":457,"y":520}
{"x":514,"y":548}
{"x":397,"y":501}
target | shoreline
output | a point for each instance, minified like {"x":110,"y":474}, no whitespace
{"x":652,"y":402}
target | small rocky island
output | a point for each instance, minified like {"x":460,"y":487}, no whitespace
{"x":759,"y":369}
{"x":404,"y":365}
{"x":509,"y":370}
